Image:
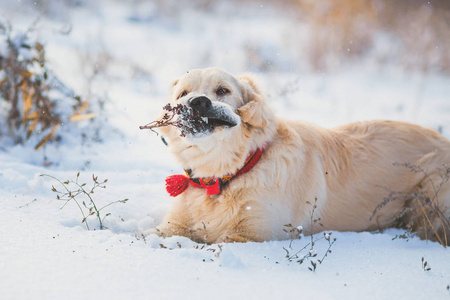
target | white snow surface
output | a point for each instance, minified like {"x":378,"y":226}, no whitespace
{"x":47,"y":253}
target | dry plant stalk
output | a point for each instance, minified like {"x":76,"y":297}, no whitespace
{"x":422,"y":214}
{"x":181,"y":117}
{"x":295,"y":233}
{"x":72,"y":191}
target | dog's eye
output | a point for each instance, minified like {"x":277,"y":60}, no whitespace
{"x":184,"y":93}
{"x":222,"y":91}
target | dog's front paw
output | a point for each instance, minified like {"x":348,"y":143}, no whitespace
{"x":156,"y":231}
{"x":233,"y":239}
{"x":169,"y":230}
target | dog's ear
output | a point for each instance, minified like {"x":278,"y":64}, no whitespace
{"x":173,"y":86}
{"x":250,"y":89}
{"x":174,"y":82}
{"x":254,"y":111}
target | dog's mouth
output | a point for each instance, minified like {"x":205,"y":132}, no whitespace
{"x":194,"y":123}
{"x":203,"y":116}
{"x":217,"y":122}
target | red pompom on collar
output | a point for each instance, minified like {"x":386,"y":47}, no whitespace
{"x":177,"y":184}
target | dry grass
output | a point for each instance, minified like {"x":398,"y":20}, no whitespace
{"x":295,"y":233}
{"x":423,"y":214}
{"x":418,"y":31}
{"x":82,"y":196}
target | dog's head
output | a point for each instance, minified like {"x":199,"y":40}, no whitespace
{"x":231,"y":119}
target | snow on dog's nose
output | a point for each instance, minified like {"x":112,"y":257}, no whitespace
{"x":214,"y":115}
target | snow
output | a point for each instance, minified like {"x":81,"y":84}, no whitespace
{"x":47,"y":253}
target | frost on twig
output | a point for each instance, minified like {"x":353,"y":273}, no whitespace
{"x":182,"y":117}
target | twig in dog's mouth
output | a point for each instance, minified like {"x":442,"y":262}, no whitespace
{"x":187,"y":121}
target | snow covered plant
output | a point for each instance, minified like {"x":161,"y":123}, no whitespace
{"x":180,"y":116}
{"x":295,"y":233}
{"x":33,"y":101}
{"x":82,"y":197}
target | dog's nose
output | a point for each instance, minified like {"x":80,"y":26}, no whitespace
{"x":201,"y":103}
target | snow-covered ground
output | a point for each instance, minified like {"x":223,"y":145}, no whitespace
{"x":138,"y":47}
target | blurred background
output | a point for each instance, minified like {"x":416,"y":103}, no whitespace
{"x":322,"y":61}
{"x":318,"y":34}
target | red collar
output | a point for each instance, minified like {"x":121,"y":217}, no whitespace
{"x":177,"y":184}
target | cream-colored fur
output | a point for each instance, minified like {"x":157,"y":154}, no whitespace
{"x":348,"y":169}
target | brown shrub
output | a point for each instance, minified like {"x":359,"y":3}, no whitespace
{"x":25,"y":88}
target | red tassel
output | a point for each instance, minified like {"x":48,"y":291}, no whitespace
{"x":212,"y":189}
{"x":176,"y":184}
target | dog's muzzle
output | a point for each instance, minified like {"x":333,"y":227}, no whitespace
{"x":213,"y":115}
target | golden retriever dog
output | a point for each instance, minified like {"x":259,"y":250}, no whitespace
{"x":249,"y":173}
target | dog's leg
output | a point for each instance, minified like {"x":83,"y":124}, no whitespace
{"x":171,"y":228}
{"x":240,"y":234}
{"x":233,"y":239}
{"x":177,"y":222}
